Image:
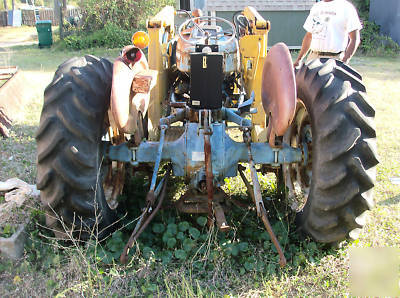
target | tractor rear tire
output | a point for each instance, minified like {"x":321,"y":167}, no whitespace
{"x":335,"y":126}
{"x":70,"y":160}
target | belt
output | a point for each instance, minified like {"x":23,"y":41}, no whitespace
{"x":327,"y":53}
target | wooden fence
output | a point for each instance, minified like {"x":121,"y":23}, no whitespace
{"x":28,"y":16}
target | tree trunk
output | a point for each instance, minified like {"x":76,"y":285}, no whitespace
{"x":13,"y":4}
{"x":5,"y":4}
{"x":64,"y":8}
{"x":56,"y":9}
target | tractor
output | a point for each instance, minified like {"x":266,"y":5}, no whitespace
{"x":210,"y":100}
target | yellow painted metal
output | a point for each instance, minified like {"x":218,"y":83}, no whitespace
{"x":164,"y":18}
{"x":160,"y":28}
{"x":253,"y":50}
{"x":257,"y":23}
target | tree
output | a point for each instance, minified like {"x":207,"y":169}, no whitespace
{"x":5,"y":4}
{"x":56,"y":9}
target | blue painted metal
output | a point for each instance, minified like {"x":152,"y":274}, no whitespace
{"x":119,"y":153}
{"x":158,"y":157}
{"x":187,"y":153}
{"x":232,"y":115}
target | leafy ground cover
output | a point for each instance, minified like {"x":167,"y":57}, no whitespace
{"x":177,"y":256}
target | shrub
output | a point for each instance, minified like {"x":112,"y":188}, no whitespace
{"x":110,"y":23}
{"x":372,"y":42}
{"x":111,"y":36}
{"x":126,"y":14}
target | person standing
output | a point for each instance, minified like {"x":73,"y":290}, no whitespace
{"x":333,"y":31}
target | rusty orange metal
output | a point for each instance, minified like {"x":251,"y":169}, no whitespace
{"x":15,"y":90}
{"x":114,"y":182}
{"x":126,"y":104}
{"x":278,"y":89}
{"x":209,"y":172}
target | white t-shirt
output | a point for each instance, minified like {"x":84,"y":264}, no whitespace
{"x":330,"y":24}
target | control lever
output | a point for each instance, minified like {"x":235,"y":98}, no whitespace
{"x":244,"y":106}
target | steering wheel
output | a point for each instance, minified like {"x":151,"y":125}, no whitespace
{"x":197,"y":22}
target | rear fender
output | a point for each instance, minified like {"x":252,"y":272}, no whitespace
{"x":126,"y":104}
{"x":278,"y":90}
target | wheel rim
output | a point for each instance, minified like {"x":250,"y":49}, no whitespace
{"x":298,"y":176}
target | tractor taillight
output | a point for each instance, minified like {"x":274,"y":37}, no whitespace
{"x":141,"y":39}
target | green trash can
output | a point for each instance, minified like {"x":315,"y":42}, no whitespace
{"x":45,"y":35}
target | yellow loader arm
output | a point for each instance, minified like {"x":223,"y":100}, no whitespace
{"x":161,"y":29}
{"x":253,"y":50}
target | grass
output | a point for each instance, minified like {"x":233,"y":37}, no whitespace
{"x":242,"y":263}
{"x":18,"y":34}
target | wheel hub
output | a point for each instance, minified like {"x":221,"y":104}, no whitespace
{"x":298,"y":175}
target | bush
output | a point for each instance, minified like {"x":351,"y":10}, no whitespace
{"x":111,"y":36}
{"x":372,"y":42}
{"x":110,"y":23}
{"x":126,"y":14}
{"x":368,"y":35}
{"x":362,"y":8}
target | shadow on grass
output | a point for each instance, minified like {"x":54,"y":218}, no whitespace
{"x":391,"y":201}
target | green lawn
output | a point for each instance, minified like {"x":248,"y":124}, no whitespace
{"x":216,"y":269}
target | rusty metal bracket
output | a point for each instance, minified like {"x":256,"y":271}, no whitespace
{"x":255,"y":193}
{"x":220,"y":217}
{"x":264,"y":218}
{"x":208,"y":166}
{"x":151,"y":197}
{"x":194,"y":201}
{"x":147,"y":215}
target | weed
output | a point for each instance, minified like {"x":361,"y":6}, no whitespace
{"x":7,"y":230}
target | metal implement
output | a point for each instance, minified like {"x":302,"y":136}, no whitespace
{"x":225,"y":152}
{"x":255,"y":193}
{"x":147,"y":215}
{"x":208,"y":168}
{"x":14,"y":92}
{"x":153,"y":193}
{"x":264,"y":218}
